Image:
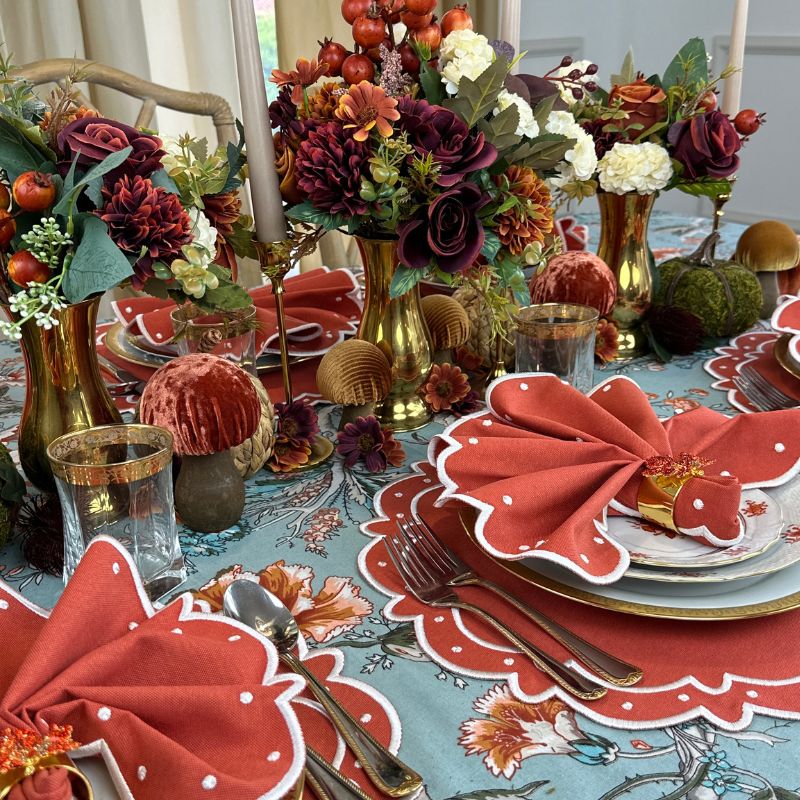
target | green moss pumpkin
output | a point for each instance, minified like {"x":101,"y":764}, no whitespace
{"x":723,"y":295}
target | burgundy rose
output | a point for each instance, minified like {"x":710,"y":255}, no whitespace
{"x":92,"y":139}
{"x":706,"y":145}
{"x":448,"y":230}
{"x":436,"y":130}
{"x":329,"y":167}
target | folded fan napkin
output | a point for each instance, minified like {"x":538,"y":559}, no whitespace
{"x":544,"y":463}
{"x":186,"y":701}
{"x":322,"y":307}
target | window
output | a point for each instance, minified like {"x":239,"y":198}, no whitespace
{"x":265,"y":19}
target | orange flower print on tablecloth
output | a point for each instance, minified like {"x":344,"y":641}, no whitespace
{"x":337,"y":608}
{"x":515,"y":731}
{"x":754,"y":508}
{"x":682,"y":403}
{"x":322,"y":526}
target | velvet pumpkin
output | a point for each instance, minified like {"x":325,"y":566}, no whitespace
{"x":576,"y":277}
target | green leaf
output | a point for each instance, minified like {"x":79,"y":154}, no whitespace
{"x":476,"y":99}
{"x":689,"y":65}
{"x":12,"y":485}
{"x":162,"y":179}
{"x":228,"y":296}
{"x":706,"y":188}
{"x":645,"y":134}
{"x":510,"y":276}
{"x":305,"y":212}
{"x":236,"y":160}
{"x":17,"y":153}
{"x":543,"y":108}
{"x":491,"y":246}
{"x":404,"y":280}
{"x":68,"y":198}
{"x":241,"y":238}
{"x":627,"y":72}
{"x":98,"y":264}
{"x":541,"y":153}
{"x":156,"y":288}
{"x":501,"y":130}
{"x":94,"y":191}
{"x":431,"y":82}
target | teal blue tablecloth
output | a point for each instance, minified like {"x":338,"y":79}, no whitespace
{"x":313,"y":520}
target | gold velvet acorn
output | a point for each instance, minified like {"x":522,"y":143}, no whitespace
{"x":355,"y":374}
{"x":771,"y":250}
{"x":252,"y":454}
{"x":448,"y":324}
{"x":210,"y":406}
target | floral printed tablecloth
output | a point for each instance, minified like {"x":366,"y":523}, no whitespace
{"x":471,"y":739}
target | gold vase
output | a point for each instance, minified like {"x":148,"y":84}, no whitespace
{"x":623,"y":246}
{"x":398,"y":327}
{"x":64,"y":389}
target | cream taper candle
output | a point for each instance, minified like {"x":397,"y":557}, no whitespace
{"x":732,"y":93}
{"x":510,"y":22}
{"x":264,"y":185}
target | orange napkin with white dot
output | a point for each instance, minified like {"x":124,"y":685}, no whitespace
{"x":544,"y":464}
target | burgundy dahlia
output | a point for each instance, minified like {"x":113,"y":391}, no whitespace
{"x":329,"y":166}
{"x":448,"y":230}
{"x":92,"y":139}
{"x":297,"y":421}
{"x":706,"y":145}
{"x":438,"y":131}
{"x":365,"y":440}
{"x":603,"y":140}
{"x":283,"y":116}
{"x":143,"y":217}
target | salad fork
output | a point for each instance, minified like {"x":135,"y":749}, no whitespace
{"x":772,"y":398}
{"x":454,"y":572}
{"x":431,"y":590}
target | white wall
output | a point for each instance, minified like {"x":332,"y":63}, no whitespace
{"x":768,"y":183}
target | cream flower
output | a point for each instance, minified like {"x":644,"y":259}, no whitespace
{"x":566,"y":92}
{"x":192,"y":271}
{"x":581,"y":159}
{"x":204,"y":234}
{"x":643,"y":168}
{"x":463,"y":53}
{"x":527,"y":124}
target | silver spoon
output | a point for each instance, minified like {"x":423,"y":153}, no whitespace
{"x":253,"y":605}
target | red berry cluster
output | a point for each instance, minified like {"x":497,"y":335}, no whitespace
{"x":372,"y":22}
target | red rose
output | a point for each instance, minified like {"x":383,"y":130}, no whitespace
{"x":644,"y":103}
{"x":92,"y":139}
{"x":706,"y":145}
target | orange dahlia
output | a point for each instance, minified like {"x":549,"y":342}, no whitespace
{"x":445,"y":386}
{"x":323,"y":103}
{"x":531,"y":218}
{"x":223,"y":211}
{"x":606,"y":343}
{"x":306,"y":73}
{"x":367,"y":106}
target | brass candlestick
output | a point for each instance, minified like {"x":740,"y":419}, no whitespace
{"x":276,"y":259}
{"x":719,"y":205}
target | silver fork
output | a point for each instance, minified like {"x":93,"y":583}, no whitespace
{"x":777,"y":399}
{"x":432,"y":591}
{"x":454,"y":572}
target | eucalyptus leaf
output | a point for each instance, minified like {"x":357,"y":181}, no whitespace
{"x":501,"y":130}
{"x":541,"y":153}
{"x":689,"y":66}
{"x":627,"y":72}
{"x":491,"y":246}
{"x":162,"y":179}
{"x":431,"y":82}
{"x":98,"y":264}
{"x":68,"y":198}
{"x":476,"y":98}
{"x":404,"y":280}
{"x":94,"y":191}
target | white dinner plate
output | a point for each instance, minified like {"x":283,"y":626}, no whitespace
{"x":650,"y":545}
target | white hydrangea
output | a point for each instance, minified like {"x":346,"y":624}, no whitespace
{"x":204,"y":234}
{"x":463,"y":53}
{"x":643,"y":168}
{"x":527,"y":124}
{"x":561,"y":72}
{"x":582,"y":158}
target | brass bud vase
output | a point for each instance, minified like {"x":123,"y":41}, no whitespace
{"x":623,"y":246}
{"x":398,"y":328}
{"x":64,"y":389}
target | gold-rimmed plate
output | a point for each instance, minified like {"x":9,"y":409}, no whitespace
{"x":774,"y":593}
{"x":121,"y":345}
{"x":782,"y":355}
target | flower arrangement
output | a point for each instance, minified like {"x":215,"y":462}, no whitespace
{"x":92,"y":203}
{"x":657,"y":133}
{"x":419,"y":131}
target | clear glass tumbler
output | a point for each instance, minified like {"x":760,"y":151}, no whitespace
{"x":558,"y":338}
{"x":116,"y":480}
{"x":230,"y":334}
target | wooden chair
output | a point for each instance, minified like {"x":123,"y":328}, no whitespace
{"x":152,"y":95}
